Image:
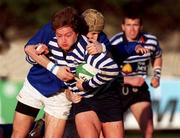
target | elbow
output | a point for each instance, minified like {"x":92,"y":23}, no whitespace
{"x":26,"y":49}
{"x":29,"y":49}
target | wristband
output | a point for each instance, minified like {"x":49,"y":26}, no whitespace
{"x":52,"y":67}
{"x":157,"y":72}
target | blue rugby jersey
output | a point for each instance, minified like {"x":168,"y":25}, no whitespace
{"x":108,"y":69}
{"x":137,"y":65}
{"x":39,"y":77}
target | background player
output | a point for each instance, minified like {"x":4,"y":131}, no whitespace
{"x":138,"y":98}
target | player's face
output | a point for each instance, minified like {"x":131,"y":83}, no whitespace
{"x":131,"y":28}
{"x":66,"y":37}
{"x":93,"y":35}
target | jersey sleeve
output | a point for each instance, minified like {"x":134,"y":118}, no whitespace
{"x":108,"y":70}
{"x":122,"y":51}
{"x":103,"y":39}
{"x":158,"y":51}
{"x":42,"y":36}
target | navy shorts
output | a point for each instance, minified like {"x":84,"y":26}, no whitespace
{"x":131,"y":95}
{"x":106,"y":103}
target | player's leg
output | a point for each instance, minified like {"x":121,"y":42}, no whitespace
{"x":88,"y":124}
{"x":142,"y":111}
{"x":111,"y":113}
{"x":57,"y":108}
{"x":113,"y":129}
{"x":26,"y":111}
{"x":54,"y":127}
{"x":23,"y":120}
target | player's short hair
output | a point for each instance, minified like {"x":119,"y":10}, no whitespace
{"x":68,"y":17}
{"x":94,"y":19}
{"x":132,"y":11}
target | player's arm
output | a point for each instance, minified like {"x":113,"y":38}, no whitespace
{"x":99,"y":46}
{"x":40,"y":41}
{"x":156,"y":62}
{"x":95,"y":47}
{"x":108,"y":70}
{"x":62,"y":72}
{"x":73,"y":97}
{"x":157,"y":66}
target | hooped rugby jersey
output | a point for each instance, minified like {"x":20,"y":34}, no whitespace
{"x":107,"y":68}
{"x":137,"y":65}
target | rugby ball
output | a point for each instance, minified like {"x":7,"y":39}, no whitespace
{"x":85,"y":71}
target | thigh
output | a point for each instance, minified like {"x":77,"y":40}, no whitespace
{"x":142,"y":111}
{"x":30,"y":96}
{"x":88,"y":125}
{"x":113,"y":129}
{"x":54,"y":127}
{"x":21,"y":125}
{"x":57,"y":105}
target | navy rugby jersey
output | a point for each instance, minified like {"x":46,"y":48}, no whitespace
{"x":137,"y":65}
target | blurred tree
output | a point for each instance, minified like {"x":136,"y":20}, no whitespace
{"x":27,"y":14}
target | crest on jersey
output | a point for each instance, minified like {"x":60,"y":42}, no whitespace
{"x":127,"y":68}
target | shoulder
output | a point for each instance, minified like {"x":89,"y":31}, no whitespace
{"x":48,"y":28}
{"x":103,"y":38}
{"x":150,"y":39}
{"x":149,"y":35}
{"x":117,"y":38}
{"x":102,"y":34}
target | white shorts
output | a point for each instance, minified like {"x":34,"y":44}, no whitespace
{"x":57,"y":105}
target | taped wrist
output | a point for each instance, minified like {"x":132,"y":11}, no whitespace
{"x":157,"y":72}
{"x":52,"y":67}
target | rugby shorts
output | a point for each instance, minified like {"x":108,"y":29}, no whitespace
{"x":131,"y":95}
{"x":106,"y":103}
{"x":57,"y":105}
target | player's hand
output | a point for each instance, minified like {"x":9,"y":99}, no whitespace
{"x":41,"y":49}
{"x":79,"y":84}
{"x":134,"y":81}
{"x":75,"y":98}
{"x":64,"y":73}
{"x":141,"y":50}
{"x":94,"y":47}
{"x":155,"y":82}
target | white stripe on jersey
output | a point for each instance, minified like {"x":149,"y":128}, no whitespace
{"x":57,"y":53}
{"x":52,"y":43}
{"x":117,"y":41}
{"x":150,"y":36}
{"x":151,"y":41}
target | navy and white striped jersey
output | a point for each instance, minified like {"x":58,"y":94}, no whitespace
{"x":107,"y":68}
{"x":137,"y":65}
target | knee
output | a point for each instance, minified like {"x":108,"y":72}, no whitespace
{"x":148,"y":132}
{"x":18,"y":134}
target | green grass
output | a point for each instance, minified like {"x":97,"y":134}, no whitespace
{"x":157,"y":134}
